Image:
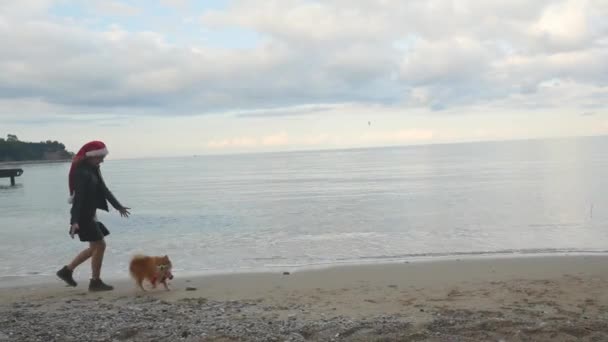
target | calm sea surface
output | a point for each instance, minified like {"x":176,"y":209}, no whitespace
{"x":260,"y":211}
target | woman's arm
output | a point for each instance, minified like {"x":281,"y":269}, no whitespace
{"x":124,"y":211}
{"x":110,"y":197}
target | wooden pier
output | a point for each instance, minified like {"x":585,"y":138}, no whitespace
{"x":12,"y":173}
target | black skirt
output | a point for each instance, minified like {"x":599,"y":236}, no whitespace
{"x":92,"y":230}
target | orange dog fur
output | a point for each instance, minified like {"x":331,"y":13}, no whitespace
{"x":153,"y":268}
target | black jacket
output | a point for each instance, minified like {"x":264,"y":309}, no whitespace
{"x":90,"y":193}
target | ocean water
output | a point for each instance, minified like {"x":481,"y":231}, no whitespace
{"x":286,"y":210}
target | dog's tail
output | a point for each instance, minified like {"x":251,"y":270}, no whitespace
{"x":138,"y":257}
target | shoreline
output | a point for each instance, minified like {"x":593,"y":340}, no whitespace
{"x":11,"y":281}
{"x":517,"y":299}
{"x":523,"y":265}
{"x":33,"y":162}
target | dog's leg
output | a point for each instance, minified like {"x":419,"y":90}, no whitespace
{"x":140,"y":284}
{"x":164,"y":282}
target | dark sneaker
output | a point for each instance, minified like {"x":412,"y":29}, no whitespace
{"x":66,"y":275}
{"x":97,"y":285}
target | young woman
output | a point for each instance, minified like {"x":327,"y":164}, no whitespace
{"x":88,"y":192}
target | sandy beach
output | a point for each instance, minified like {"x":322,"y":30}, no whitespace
{"x":543,"y":298}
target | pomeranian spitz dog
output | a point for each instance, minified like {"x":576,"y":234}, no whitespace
{"x":153,"y":268}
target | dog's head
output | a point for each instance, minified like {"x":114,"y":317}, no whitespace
{"x":164,"y":267}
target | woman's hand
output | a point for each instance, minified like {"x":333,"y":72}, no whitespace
{"x":74,"y":229}
{"x":124,"y":212}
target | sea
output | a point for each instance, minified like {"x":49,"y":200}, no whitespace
{"x":288,"y":211}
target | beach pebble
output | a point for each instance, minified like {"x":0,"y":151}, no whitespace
{"x":286,"y":273}
{"x":190,"y":288}
{"x":126,"y":333}
{"x":193,"y":319}
{"x":295,"y":337}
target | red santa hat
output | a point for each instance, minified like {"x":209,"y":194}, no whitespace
{"x":90,"y":149}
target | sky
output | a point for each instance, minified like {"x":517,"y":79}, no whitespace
{"x":156,"y":78}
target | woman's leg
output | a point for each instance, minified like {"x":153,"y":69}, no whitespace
{"x":98,"y":249}
{"x":66,"y":273}
{"x":80,"y":258}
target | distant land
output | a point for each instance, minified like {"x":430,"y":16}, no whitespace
{"x":14,"y":150}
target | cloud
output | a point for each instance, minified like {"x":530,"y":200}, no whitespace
{"x":303,"y":22}
{"x":179,"y":4}
{"x":563,"y":25}
{"x":115,"y":8}
{"x":272,"y":140}
{"x":282,"y":139}
{"x":241,"y":142}
{"x":398,"y":136}
{"x":25,"y":8}
{"x":288,"y":111}
{"x":310,"y":56}
{"x":278,"y":139}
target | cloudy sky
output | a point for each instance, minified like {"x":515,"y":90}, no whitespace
{"x":182,"y":77}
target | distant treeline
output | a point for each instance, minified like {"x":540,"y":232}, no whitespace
{"x":11,"y":149}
